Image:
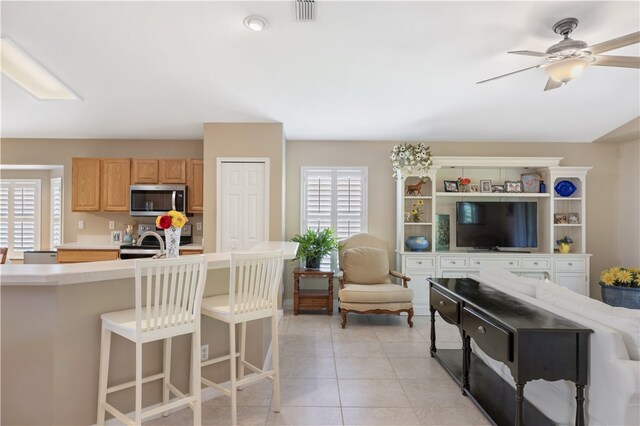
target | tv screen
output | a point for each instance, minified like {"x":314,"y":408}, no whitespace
{"x":490,"y":224}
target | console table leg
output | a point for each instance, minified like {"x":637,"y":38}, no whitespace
{"x":466,"y":363}
{"x":433,"y":332}
{"x":296,"y":295}
{"x":519,"y":404}
{"x":580,"y":405}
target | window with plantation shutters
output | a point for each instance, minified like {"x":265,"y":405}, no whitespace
{"x":334,"y":198}
{"x":56,"y":211}
{"x":20,"y":216}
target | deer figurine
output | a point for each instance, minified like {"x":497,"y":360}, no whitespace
{"x":415,"y":189}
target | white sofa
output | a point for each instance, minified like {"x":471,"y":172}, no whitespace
{"x":613,"y":393}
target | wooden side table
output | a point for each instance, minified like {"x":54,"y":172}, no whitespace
{"x":312,"y":299}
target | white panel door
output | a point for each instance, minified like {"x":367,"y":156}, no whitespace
{"x":243,"y":205}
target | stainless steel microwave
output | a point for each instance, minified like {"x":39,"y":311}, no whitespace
{"x":154,"y":200}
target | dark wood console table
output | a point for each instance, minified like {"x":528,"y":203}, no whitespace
{"x":312,"y":299}
{"x":531,"y":342}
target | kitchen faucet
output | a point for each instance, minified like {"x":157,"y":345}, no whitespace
{"x":153,"y":234}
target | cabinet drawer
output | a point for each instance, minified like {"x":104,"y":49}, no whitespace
{"x":570,"y":265}
{"x":419,"y":263}
{"x":493,"y":339}
{"x":448,"y":308}
{"x":537,"y":263}
{"x":506,"y":263}
{"x":453,"y":262}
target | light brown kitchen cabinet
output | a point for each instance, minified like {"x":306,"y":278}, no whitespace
{"x":144,"y":171}
{"x":195,"y":186}
{"x":187,"y":252}
{"x":173,"y":171}
{"x":116,"y":175}
{"x":79,"y":255}
{"x":85,"y":184}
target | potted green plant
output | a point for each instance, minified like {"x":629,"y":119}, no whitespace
{"x":621,"y":287}
{"x":314,"y":245}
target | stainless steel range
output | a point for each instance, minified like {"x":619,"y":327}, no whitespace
{"x":150,"y":242}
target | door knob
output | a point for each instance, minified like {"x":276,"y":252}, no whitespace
{"x":482,"y":330}
{"x":441,"y":303}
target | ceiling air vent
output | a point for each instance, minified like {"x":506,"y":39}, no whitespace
{"x":305,"y":10}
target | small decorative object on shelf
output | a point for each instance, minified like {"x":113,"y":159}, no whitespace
{"x":314,"y":245}
{"x":416,"y":159}
{"x":565,"y":188}
{"x":463,"y":184}
{"x":543,"y":187}
{"x":514,"y":186}
{"x":474,"y":187}
{"x":530,"y":182}
{"x":450,"y":186}
{"x":621,"y":287}
{"x":497,"y":188}
{"x":573,"y":219}
{"x":442,"y":232}
{"x":560,"y":218}
{"x":564,"y":244}
{"x":172,"y":223}
{"x":485,"y":186}
{"x":415,"y":189}
{"x":128,"y":234}
{"x":417,"y":243}
{"x":415,"y":213}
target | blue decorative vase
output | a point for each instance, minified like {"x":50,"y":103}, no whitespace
{"x":417,"y":243}
{"x":623,"y":297}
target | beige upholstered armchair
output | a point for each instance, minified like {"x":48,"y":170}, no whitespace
{"x":365,"y":280}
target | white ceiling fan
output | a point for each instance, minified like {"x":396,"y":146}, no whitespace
{"x":567,"y":59}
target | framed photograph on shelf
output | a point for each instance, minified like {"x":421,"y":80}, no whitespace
{"x":485,"y":186}
{"x":474,"y":187}
{"x":560,"y":218}
{"x":450,"y":186}
{"x":116,"y":238}
{"x":530,"y":182}
{"x":573,"y":219}
{"x":497,"y":188}
{"x":513,"y":185}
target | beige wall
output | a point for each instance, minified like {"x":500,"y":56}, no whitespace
{"x":60,"y":152}
{"x":243,"y":140}
{"x":629,"y":203}
{"x":602,"y":181}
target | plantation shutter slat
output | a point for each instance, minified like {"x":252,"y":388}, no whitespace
{"x":4,"y":214}
{"x":56,"y":211}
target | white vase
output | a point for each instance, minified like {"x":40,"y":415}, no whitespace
{"x":172,"y":238}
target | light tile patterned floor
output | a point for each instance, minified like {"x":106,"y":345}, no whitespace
{"x":377,"y":371}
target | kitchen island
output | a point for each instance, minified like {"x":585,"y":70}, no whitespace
{"x":50,"y":338}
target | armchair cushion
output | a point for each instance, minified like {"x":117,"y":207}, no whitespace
{"x":365,"y":265}
{"x":375,"y":293}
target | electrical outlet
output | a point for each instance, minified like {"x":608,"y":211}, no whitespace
{"x":81,"y":224}
{"x":199,"y":226}
{"x":204,"y":352}
{"x":112,"y":225}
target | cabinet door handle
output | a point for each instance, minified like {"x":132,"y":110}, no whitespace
{"x":477,"y":263}
{"x":441,"y":303}
{"x":535,"y":263}
{"x":510,"y":263}
{"x":453,"y":262}
{"x":419,"y":262}
{"x":570,"y":264}
{"x":482,"y":330}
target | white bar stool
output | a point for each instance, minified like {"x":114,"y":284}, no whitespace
{"x":171,"y":307}
{"x":254,"y":279}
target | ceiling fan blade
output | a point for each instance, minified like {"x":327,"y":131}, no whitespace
{"x":511,"y":73}
{"x":615,"y":43}
{"x":552,"y":84}
{"x":529,"y":53}
{"x":617,"y":61}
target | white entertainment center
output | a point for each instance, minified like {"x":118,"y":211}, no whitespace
{"x":544,"y":261}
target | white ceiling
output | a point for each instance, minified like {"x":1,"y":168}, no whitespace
{"x":364,"y":70}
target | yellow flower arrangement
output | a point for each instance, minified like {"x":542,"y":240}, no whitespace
{"x":415,"y":212}
{"x":172,"y":218}
{"x":621,"y":277}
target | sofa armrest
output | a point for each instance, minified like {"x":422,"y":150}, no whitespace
{"x":340,"y":276}
{"x":404,"y":278}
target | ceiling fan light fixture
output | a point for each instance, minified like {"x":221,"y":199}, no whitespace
{"x":566,"y":70}
{"x":255,"y":23}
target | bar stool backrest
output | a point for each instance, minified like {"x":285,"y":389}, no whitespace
{"x":254,"y":279}
{"x":171,"y":291}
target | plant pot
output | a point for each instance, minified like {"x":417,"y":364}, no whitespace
{"x":564,"y":248}
{"x":417,"y":243}
{"x":312,"y":263}
{"x":623,"y":297}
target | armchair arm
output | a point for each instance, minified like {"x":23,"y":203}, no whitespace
{"x":340,"y":276}
{"x":404,"y":278}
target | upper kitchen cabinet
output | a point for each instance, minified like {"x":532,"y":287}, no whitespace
{"x":173,"y":171}
{"x":195,"y":182}
{"x":85,"y":183}
{"x":144,"y":171}
{"x":116,"y":175}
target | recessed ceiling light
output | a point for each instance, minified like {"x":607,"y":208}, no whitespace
{"x":25,"y":71}
{"x":255,"y":22}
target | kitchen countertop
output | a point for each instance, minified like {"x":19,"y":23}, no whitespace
{"x":94,"y":246}
{"x":74,"y":273}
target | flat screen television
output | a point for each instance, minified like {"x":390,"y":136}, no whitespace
{"x":496,"y":224}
